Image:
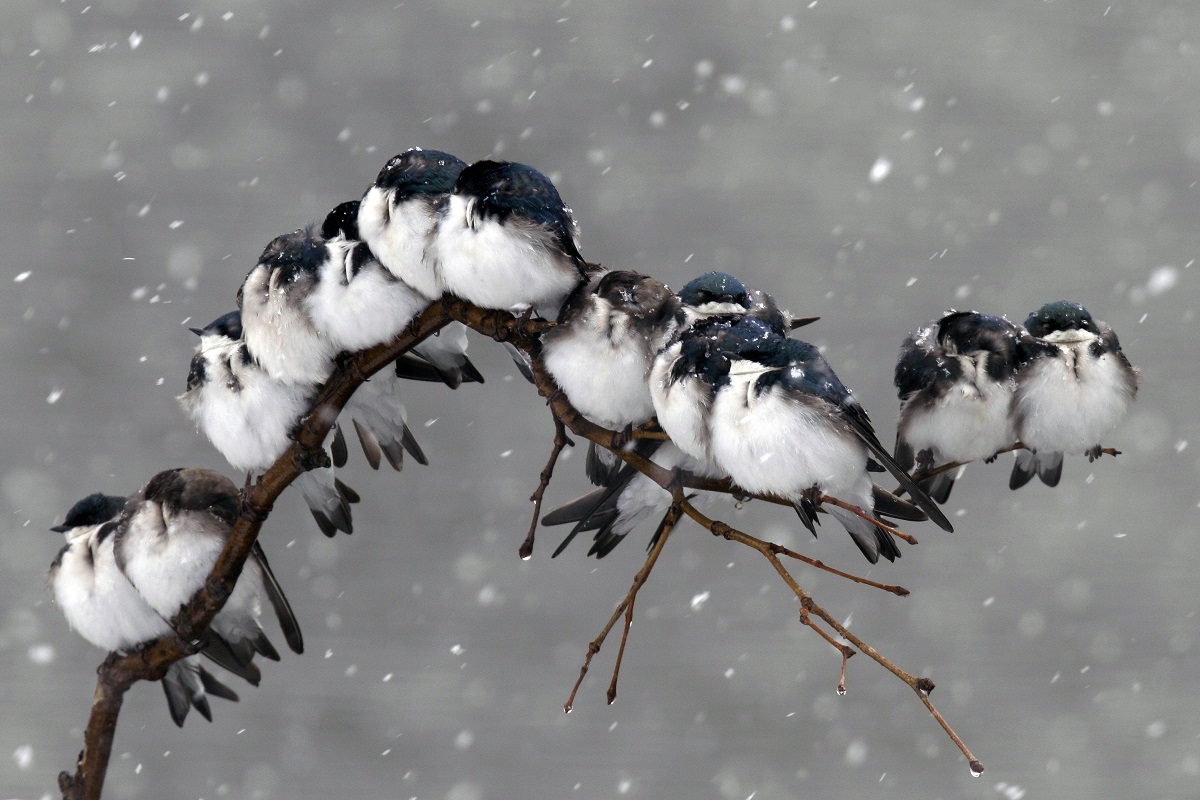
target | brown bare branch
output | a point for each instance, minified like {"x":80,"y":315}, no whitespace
{"x":669,"y":520}
{"x":561,"y":440}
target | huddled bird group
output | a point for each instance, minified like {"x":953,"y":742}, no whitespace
{"x":738,"y":399}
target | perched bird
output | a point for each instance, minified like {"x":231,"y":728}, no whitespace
{"x":602,"y":349}
{"x":397,"y":214}
{"x":1075,"y":389}
{"x":249,"y":417}
{"x":274,"y":301}
{"x":102,"y":605}
{"x":169,"y":537}
{"x":781,"y":423}
{"x":396,"y":218}
{"x":710,"y":305}
{"x":505,"y":240}
{"x":683,"y":382}
{"x":955,"y":378}
{"x":355,"y":302}
{"x":720,"y":295}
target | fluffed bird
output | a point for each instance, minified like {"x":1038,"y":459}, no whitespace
{"x":1072,"y":393}
{"x":249,"y":417}
{"x":505,"y":240}
{"x":782,"y":423}
{"x":274,"y":300}
{"x":397,"y":214}
{"x":103,"y":607}
{"x":955,"y":378}
{"x":166,"y":542}
{"x":602,"y":349}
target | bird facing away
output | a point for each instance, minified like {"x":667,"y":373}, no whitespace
{"x":398,"y":212}
{"x":169,"y":537}
{"x":506,"y":240}
{"x":1073,"y":391}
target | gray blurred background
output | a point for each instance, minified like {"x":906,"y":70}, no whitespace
{"x":872,"y":166}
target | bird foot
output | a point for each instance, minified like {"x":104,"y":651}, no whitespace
{"x":622,"y":438}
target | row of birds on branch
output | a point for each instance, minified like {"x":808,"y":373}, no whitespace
{"x":713,"y":363}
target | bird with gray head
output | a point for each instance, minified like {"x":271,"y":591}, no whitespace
{"x":601,"y":351}
{"x":168,"y":539}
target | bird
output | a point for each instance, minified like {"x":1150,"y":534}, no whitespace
{"x":602,"y":349}
{"x":710,"y":305}
{"x":276,"y":321}
{"x":955,"y":378}
{"x":781,"y":423}
{"x":168,"y":538}
{"x":354,"y":301}
{"x":505,"y":240}
{"x":398,"y":212}
{"x":250,"y":417}
{"x":721,"y":295}
{"x":1075,"y":389}
{"x":103,"y":607}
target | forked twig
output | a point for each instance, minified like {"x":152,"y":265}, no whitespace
{"x":669,"y":521}
{"x":561,"y":440}
{"x":780,"y":550}
{"x":922,"y":686}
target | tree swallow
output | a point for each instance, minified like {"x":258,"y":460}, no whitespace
{"x":355,"y":302}
{"x":102,"y":606}
{"x":249,"y":417}
{"x":955,"y":378}
{"x":782,"y":423}
{"x":169,"y":537}
{"x":397,"y":214}
{"x":276,"y":320}
{"x":720,"y":295}
{"x":505,"y":240}
{"x":602,"y":349}
{"x":1073,"y":392}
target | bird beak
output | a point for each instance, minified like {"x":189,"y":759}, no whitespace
{"x":800,"y":322}
{"x":197,"y":331}
{"x":61,"y":528}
